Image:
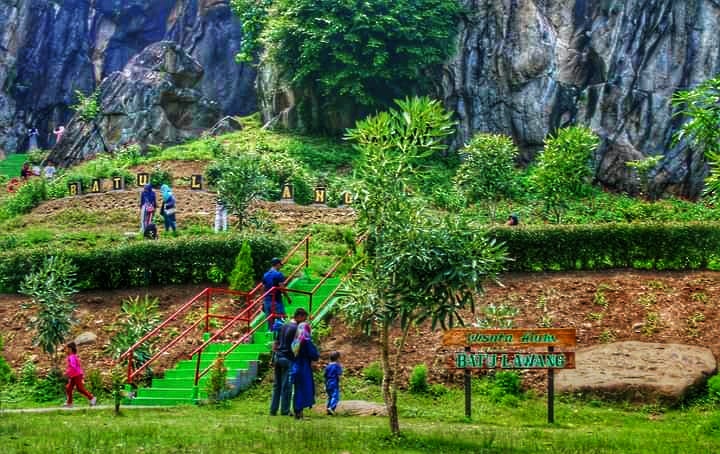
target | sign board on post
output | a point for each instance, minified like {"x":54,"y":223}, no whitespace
{"x":517,"y":348}
{"x":75,"y":188}
{"x":196,"y":182}
{"x":143,"y":178}
{"x":118,"y":183}
{"x":286,"y":193}
{"x":347,"y":198}
{"x":320,"y":195}
{"x":96,"y":186}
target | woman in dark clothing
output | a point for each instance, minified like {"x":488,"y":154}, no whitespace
{"x":148,"y":204}
{"x":301,"y":373}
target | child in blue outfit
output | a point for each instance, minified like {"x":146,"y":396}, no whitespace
{"x":333,"y":371}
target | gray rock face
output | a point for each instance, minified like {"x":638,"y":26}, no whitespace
{"x":50,"y":49}
{"x":153,"y":100}
{"x":638,"y":371}
{"x":526,"y":67}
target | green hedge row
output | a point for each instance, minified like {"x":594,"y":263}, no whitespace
{"x":665,"y":246}
{"x":174,"y":261}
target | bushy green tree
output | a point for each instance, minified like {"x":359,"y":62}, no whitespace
{"x":564,"y":168}
{"x":352,"y":52}
{"x":239,"y":181}
{"x":51,"y":287}
{"x":242,"y":277}
{"x":702,"y":129}
{"x":487,"y":173}
{"x":414,"y":267}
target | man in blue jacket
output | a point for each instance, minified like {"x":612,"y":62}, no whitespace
{"x":273,"y":302}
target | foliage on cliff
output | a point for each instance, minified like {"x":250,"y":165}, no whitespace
{"x":365,"y":53}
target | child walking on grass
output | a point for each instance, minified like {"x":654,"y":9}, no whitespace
{"x":333,"y":371}
{"x":75,"y":374}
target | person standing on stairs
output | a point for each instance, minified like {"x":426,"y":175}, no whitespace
{"x":284,"y":358}
{"x":273,"y":302}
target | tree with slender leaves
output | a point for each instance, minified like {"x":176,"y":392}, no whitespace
{"x":564,"y":168}
{"x":487,"y":173}
{"x":88,"y":109}
{"x":51,"y":287}
{"x":701,"y":106}
{"x":415,"y":267}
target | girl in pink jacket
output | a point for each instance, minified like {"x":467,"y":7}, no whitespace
{"x":75,"y":374}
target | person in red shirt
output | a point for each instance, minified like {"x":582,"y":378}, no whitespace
{"x":75,"y":374}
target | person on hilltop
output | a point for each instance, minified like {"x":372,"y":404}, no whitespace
{"x":221,"y":215}
{"x":26,"y":171}
{"x":148,"y":204}
{"x":283,"y":358}
{"x":301,"y":374}
{"x":74,"y":373}
{"x":49,"y":171}
{"x":167,"y":210}
{"x":273,"y":306}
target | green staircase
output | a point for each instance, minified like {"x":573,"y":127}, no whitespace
{"x":177,"y":386}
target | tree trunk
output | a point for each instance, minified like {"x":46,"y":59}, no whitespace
{"x":389,"y":390}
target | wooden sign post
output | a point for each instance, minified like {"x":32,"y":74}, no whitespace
{"x":196,"y":182}
{"x":347,"y":198}
{"x":143,"y":178}
{"x":286,"y":193}
{"x":118,"y":183}
{"x":96,"y":186}
{"x":75,"y":188}
{"x":320,"y":195}
{"x":517,"y":348}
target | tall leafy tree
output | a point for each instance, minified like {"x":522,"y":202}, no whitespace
{"x":564,"y":169}
{"x":239,"y":181}
{"x":415,"y":267}
{"x":487,"y":173}
{"x":51,"y":287}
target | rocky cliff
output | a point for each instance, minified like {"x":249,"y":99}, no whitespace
{"x":526,"y":67}
{"x":49,"y":49}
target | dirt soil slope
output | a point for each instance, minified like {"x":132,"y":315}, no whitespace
{"x":604,"y":306}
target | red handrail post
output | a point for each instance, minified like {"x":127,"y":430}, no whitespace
{"x":197,"y":374}
{"x":307,"y":252}
{"x":130,"y":369}
{"x":207,"y":311}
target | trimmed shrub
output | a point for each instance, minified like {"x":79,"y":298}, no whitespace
{"x":242,"y":276}
{"x":175,"y":261}
{"x":418,"y":379}
{"x":661,"y":246}
{"x":373,"y":373}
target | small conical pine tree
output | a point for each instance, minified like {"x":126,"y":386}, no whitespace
{"x":242,"y":277}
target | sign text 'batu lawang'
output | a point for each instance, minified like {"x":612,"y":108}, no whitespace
{"x":514,"y":360}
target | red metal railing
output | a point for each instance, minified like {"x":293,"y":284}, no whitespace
{"x":202,"y":299}
{"x":252,"y":307}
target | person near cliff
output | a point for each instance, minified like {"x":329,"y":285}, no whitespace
{"x":148,"y":204}
{"x":33,"y":139}
{"x":221,"y":215}
{"x":167,"y":210}
{"x":59,"y":132}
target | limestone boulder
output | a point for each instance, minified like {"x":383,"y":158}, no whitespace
{"x":88,"y":337}
{"x":638,"y":371}
{"x":356,"y":408}
{"x":153,"y":100}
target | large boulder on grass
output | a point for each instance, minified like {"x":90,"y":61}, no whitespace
{"x":638,"y":371}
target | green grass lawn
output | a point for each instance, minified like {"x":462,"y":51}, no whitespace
{"x":428,"y":424}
